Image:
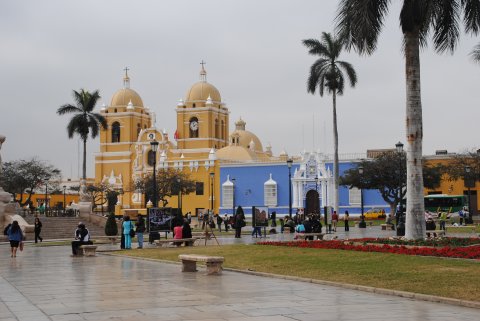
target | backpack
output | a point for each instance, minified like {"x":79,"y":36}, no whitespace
{"x":5,"y":231}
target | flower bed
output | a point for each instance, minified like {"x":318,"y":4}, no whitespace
{"x":436,"y":242}
{"x":469,"y":252}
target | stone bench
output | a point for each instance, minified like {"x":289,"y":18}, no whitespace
{"x":176,"y":242}
{"x":213,"y":263}
{"x":435,"y":233}
{"x":88,"y":250}
{"x":387,"y":226}
{"x":304,"y":236}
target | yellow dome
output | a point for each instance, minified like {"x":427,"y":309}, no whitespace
{"x":201,"y":90}
{"x":235,"y":153}
{"x":246,"y":138}
{"x":124,"y":96}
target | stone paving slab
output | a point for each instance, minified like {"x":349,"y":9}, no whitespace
{"x":45,"y":283}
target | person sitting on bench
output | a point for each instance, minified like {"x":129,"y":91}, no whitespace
{"x":82,"y":237}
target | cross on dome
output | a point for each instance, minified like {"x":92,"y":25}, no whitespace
{"x":126,"y":79}
{"x":203,"y":72}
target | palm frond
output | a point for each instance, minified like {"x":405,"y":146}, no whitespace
{"x":351,"y":73}
{"x":445,"y":25}
{"x":78,"y":124}
{"x":475,"y":54}
{"x":471,"y":17}
{"x":316,"y":47}
{"x":359,"y":22}
{"x":67,"y":109}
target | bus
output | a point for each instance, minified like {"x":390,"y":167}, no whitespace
{"x":451,"y":204}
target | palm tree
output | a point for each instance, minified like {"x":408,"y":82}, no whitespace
{"x":327,"y":72}
{"x":84,"y":121}
{"x":476,"y":53}
{"x":359,"y":22}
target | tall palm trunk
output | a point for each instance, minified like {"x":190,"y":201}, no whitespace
{"x":335,"y":153}
{"x":84,"y":167}
{"x":415,"y":220}
{"x":83,"y":180}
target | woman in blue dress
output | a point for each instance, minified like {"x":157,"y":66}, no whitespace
{"x":127,"y":226}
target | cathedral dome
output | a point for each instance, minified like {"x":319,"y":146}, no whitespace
{"x":126,"y":95}
{"x":246,"y":138}
{"x":235,"y":153}
{"x":201,"y":91}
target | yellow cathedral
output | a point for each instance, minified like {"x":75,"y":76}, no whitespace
{"x":125,"y":151}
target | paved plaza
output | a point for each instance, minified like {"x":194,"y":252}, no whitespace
{"x":45,"y":283}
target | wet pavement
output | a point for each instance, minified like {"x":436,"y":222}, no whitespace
{"x":45,"y":283}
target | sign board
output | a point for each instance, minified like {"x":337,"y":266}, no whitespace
{"x":259,"y":216}
{"x":159,"y":219}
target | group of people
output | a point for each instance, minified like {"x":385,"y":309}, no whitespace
{"x":130,"y":230}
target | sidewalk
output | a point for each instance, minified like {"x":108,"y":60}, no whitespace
{"x":45,"y":283}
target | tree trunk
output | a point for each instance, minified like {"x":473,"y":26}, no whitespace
{"x":415,"y":218}
{"x":335,"y":153}
{"x":84,"y":168}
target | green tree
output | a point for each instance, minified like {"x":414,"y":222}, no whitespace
{"x":111,"y":228}
{"x":25,"y":176}
{"x":466,"y":166}
{"x":359,"y":23}
{"x":169,"y":183}
{"x":98,"y":193}
{"x":83,"y":122}
{"x":327,"y":72}
{"x":387,"y":174}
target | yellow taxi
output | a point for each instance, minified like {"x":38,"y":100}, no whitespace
{"x":374,"y":213}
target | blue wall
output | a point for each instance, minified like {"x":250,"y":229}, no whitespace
{"x":250,"y":179}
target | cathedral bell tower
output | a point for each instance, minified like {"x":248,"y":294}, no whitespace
{"x":202,"y":118}
{"x":126,"y":117}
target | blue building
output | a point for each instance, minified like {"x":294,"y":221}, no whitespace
{"x":266,"y":183}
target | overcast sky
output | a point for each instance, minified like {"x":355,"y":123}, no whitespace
{"x":254,"y":57}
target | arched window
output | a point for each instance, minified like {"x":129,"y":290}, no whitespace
{"x":193,"y":105}
{"x":139,"y":128}
{"x":193,"y":127}
{"x":150,"y":158}
{"x":115,"y":110}
{"x":217,"y":129}
{"x":116,"y":132}
{"x":222,"y":130}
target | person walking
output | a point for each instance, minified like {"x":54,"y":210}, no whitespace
{"x":127,"y":227}
{"x":37,"y":229}
{"x":225,"y":221}
{"x":335,"y":220}
{"x":239,"y":222}
{"x":443,"y":220}
{"x":15,"y":236}
{"x":140,"y":229}
{"x":219,"y":223}
{"x":346,"y":217}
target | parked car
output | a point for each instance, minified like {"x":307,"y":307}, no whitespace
{"x":374,"y":213}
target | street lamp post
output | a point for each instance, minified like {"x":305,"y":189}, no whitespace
{"x":154,"y":146}
{"x":362,"y":223}
{"x":467,"y":183}
{"x":289,"y":164}
{"x":399,"y":148}
{"x":317,"y":201}
{"x":179,"y":204}
{"x":212,"y":192}
{"x":233,"y":195}
{"x":64,"y":199}
{"x":46,"y":196}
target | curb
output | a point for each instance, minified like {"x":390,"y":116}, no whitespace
{"x":364,"y":288}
